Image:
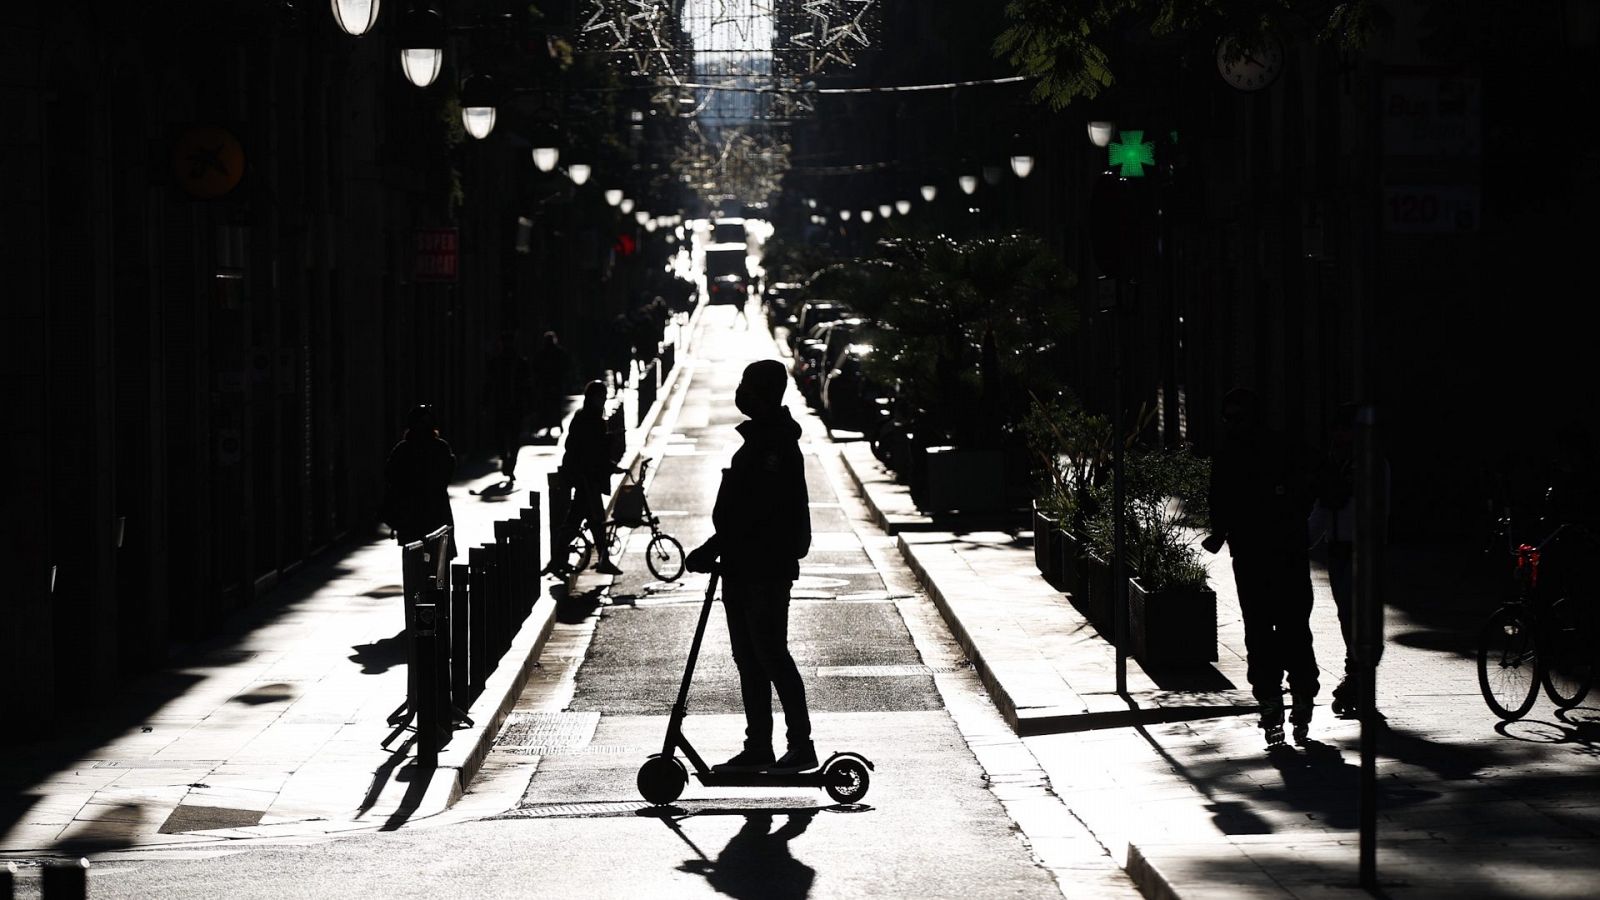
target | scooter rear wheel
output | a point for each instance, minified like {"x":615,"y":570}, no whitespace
{"x":661,"y":779}
{"x":846,"y":780}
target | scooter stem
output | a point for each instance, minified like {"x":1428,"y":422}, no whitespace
{"x":681,"y":708}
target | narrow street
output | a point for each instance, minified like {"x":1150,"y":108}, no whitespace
{"x":555,"y":809}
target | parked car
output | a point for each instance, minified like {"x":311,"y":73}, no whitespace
{"x":852,"y":400}
{"x":811,"y":357}
{"x":833,"y":348}
{"x":780,"y":301}
{"x":811,"y":313}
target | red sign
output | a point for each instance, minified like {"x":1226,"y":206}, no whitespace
{"x":438,"y":254}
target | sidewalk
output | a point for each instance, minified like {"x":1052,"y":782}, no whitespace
{"x":1176,"y":784}
{"x":278,"y":727}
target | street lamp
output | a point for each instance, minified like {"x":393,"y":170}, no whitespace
{"x":930,"y":191}
{"x":885,"y":210}
{"x":642,"y":216}
{"x":579,"y":173}
{"x":421,"y":45}
{"x":477,"y":105}
{"x":844,"y":215}
{"x":1022,"y":165}
{"x":969,"y":183}
{"x":903,"y":207}
{"x":613,"y":196}
{"x":545,"y":158}
{"x":355,"y":17}
{"x":866,"y":215}
{"x":1100,"y":132}
{"x":626,"y":205}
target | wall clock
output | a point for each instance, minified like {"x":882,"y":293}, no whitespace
{"x":1253,"y":69}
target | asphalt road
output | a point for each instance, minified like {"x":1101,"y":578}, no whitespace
{"x":558,"y":813}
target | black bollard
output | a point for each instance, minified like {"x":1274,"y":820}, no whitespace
{"x":429,"y":713}
{"x":68,"y":881}
{"x":460,"y":641}
{"x":478,"y":660}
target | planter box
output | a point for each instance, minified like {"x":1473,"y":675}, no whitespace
{"x":1097,"y":605}
{"x":1045,"y":558}
{"x":1068,"y":548}
{"x":964,"y":480}
{"x":1173,"y":627}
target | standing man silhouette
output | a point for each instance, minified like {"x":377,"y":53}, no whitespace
{"x":1259,"y":502}
{"x":762,"y":522}
{"x":507,"y":389}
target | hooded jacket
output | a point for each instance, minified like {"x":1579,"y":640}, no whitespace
{"x":763,"y":512}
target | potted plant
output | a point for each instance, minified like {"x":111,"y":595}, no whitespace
{"x":1172,"y":612}
{"x":1069,"y":450}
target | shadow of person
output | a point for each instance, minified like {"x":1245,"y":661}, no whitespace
{"x":757,"y":861}
{"x":377,"y":657}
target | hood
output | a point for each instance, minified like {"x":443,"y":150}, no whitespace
{"x":776,"y":426}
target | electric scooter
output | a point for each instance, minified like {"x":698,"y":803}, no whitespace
{"x":844,"y":776}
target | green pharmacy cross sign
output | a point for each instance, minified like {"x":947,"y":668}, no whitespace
{"x":1132,"y":154}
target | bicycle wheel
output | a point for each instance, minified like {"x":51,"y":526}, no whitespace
{"x":664,"y":556}
{"x":1568,"y":668}
{"x":1508,"y":664}
{"x":579,"y":553}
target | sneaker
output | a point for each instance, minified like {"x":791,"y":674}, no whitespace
{"x":746,"y":760}
{"x":797,"y":760}
{"x":1273,"y":734}
{"x":557,"y":568}
{"x":607,"y":567}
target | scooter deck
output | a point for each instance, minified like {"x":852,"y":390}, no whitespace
{"x":761,"y":779}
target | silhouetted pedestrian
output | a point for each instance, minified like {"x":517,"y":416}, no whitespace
{"x":1258,"y":508}
{"x":1333,"y":520}
{"x":417,"y":480}
{"x":762,"y":522}
{"x":619,"y":351}
{"x":587,"y":465}
{"x":552,"y":367}
{"x":507,"y":389}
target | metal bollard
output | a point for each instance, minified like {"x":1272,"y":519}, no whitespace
{"x":429,"y":713}
{"x":560,"y":497}
{"x":69,"y":881}
{"x":460,"y":641}
{"x":477,"y":619}
{"x":530,"y":518}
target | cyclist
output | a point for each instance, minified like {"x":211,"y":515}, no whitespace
{"x":587,"y":464}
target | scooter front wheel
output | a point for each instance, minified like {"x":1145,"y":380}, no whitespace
{"x":661,"y":779}
{"x":846,"y":780}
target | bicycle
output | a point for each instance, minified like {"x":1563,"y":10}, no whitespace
{"x":663,"y":554}
{"x":1537,"y":637}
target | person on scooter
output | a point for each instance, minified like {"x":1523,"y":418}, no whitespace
{"x":762,"y":522}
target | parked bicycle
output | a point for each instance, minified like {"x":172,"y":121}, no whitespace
{"x":1542,"y":634}
{"x":663,"y":554}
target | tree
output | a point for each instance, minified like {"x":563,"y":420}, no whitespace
{"x":967,"y":329}
{"x":1069,"y":45}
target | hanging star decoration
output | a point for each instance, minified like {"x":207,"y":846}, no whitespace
{"x":638,"y":32}
{"x":828,"y":32}
{"x":1132,"y":154}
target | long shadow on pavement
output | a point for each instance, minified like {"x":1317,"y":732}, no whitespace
{"x":757,"y":862}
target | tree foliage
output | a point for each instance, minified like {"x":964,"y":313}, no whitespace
{"x":967,"y":329}
{"x":1070,"y":45}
